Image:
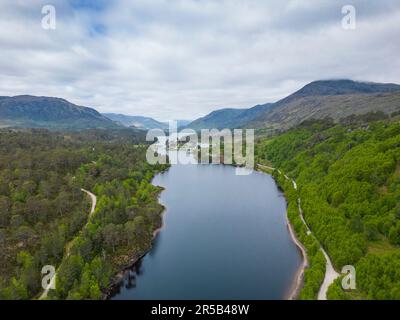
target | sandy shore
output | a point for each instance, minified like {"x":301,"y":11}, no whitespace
{"x":299,"y":278}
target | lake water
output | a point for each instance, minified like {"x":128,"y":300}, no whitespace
{"x":224,"y":237}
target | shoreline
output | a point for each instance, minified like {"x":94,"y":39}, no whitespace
{"x":298,"y":282}
{"x":299,"y":277}
{"x":116,"y":280}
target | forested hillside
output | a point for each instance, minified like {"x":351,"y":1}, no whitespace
{"x":43,"y":211}
{"x":349,"y":183}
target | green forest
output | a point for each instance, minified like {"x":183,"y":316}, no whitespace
{"x":348,"y":178}
{"x":44,"y":216}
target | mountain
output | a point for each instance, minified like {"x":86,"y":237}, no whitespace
{"x":337,"y":99}
{"x":51,"y":113}
{"x":229,"y":118}
{"x":144,"y":123}
{"x":341,"y":87}
{"x":183,"y":123}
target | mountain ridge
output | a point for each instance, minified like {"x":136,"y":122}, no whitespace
{"x":336,"y":99}
{"x":142,"y":122}
{"x":228,"y":118}
{"x":49,"y":112}
{"x":319,"y":99}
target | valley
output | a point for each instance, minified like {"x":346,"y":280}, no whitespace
{"x":337,"y":140}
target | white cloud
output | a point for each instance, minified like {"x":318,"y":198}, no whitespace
{"x":184,"y":58}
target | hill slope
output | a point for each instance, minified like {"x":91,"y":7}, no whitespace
{"x":292,"y":113}
{"x":229,"y":118}
{"x":340,"y":87}
{"x":348,"y":179}
{"x":337,"y":99}
{"x":47,"y":112}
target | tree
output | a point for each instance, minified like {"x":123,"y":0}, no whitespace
{"x":17,"y":290}
{"x":70,"y":270}
{"x":29,"y":271}
{"x":2,"y":236}
{"x":112,"y":235}
{"x":24,"y":234}
{"x":101,"y":270}
{"x":394,"y":234}
{"x":371,"y":230}
{"x":5,"y":211}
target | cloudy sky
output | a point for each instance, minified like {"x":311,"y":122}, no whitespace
{"x":184,"y":58}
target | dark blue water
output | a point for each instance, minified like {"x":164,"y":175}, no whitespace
{"x":225,"y":237}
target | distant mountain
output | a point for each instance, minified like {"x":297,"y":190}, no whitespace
{"x":144,"y":123}
{"x":183,"y":123}
{"x":51,"y":113}
{"x":229,"y":118}
{"x":340,"y":87}
{"x":336,"y":99}
{"x":216,"y":119}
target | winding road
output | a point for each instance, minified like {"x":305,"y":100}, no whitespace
{"x":330,"y":273}
{"x":93,"y":199}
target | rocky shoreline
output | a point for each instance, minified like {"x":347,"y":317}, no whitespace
{"x":117,"y":279}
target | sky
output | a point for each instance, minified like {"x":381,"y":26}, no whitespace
{"x":181,"y":59}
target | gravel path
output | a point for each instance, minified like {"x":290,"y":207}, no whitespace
{"x":93,"y":199}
